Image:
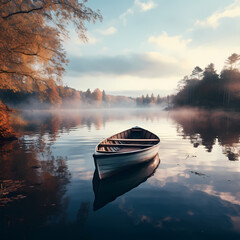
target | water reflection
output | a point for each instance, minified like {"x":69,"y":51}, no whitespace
{"x":107,"y":190}
{"x":53,"y":121}
{"x":33,"y":183}
{"x":46,"y":178}
{"x":208,"y":128}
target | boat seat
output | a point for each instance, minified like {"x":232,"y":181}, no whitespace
{"x":133,"y":140}
{"x":127,"y":149}
{"x":125,"y":145}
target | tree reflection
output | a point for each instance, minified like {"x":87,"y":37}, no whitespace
{"x":33,"y":183}
{"x":205,"y":128}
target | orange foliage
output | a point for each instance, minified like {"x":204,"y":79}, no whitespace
{"x":6,"y":131}
{"x":31,"y":33}
{"x":54,"y":97}
{"x":97,"y":95}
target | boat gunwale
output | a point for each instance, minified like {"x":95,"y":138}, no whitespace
{"x":105,"y":154}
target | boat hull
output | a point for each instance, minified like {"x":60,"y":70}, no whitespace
{"x":109,"y":164}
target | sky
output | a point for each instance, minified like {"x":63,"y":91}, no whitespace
{"x":145,"y":46}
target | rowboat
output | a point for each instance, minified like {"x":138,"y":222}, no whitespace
{"x":108,"y":189}
{"x":125,"y":149}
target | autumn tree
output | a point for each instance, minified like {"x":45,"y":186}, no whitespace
{"x":76,"y":96}
{"x":31,"y":36}
{"x":53,"y":96}
{"x":97,"y":95}
{"x":6,"y":132}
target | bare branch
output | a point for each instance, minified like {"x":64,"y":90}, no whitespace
{"x":23,"y":12}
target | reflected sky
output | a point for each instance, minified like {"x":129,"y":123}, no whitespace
{"x":46,"y":177}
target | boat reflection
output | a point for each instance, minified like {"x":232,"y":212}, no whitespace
{"x":107,"y":190}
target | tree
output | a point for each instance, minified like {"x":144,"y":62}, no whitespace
{"x":209,"y":71}
{"x":104,"y":98}
{"x":182,"y":83}
{"x":76,"y":96}
{"x":97,"y":95}
{"x":158,"y":99}
{"x":31,"y":35}
{"x":152,"y":98}
{"x":197,"y":72}
{"x":53,"y":96}
{"x":147,"y":100}
{"x":88,"y":94}
{"x":6,"y":131}
{"x":233,"y":60}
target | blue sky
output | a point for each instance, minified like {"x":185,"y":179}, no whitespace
{"x":148,"y":45}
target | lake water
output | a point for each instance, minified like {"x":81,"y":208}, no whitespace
{"x":48,"y":189}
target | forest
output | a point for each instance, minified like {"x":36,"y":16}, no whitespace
{"x":154,"y":101}
{"x":63,"y":97}
{"x":206,"y":88}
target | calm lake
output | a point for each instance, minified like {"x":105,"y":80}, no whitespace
{"x":48,"y":189}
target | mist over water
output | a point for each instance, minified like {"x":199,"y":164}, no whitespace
{"x":47,"y":177}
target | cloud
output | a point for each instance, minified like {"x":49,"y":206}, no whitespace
{"x":108,"y":31}
{"x":170,"y":43}
{"x":225,"y":196}
{"x":123,"y":16}
{"x":138,"y":5}
{"x":194,"y":55}
{"x":231,"y":11}
{"x":91,"y":39}
{"x":146,"y":65}
{"x":145,"y":6}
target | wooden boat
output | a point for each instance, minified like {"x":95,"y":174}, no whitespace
{"x":125,"y":149}
{"x":108,"y":189}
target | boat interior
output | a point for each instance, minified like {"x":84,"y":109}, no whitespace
{"x":130,"y":140}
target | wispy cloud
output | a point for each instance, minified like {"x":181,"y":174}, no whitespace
{"x":145,"y":6}
{"x":170,"y":43}
{"x":138,"y":6}
{"x":108,"y":31}
{"x":123,"y":16}
{"x":231,"y":11}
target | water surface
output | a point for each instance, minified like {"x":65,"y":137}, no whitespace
{"x":48,"y":188}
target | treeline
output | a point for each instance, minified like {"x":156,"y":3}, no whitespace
{"x":62,"y":97}
{"x":152,"y":100}
{"x":207,"y":88}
